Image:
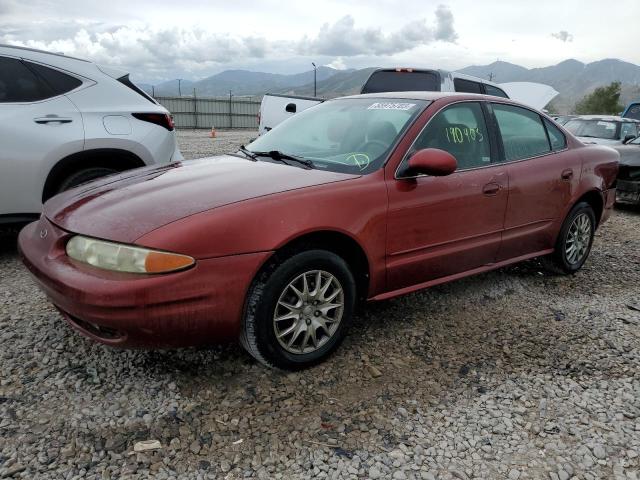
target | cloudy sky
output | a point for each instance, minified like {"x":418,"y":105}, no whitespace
{"x":160,"y":39}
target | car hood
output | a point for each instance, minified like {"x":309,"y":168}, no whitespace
{"x":126,"y":206}
{"x":629,"y":155}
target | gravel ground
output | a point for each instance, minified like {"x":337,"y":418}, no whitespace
{"x":198,"y":143}
{"x":510,"y":374}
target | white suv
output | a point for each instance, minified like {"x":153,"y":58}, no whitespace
{"x":66,"y":121}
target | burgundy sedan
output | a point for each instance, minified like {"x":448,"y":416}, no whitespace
{"x":360,"y":198}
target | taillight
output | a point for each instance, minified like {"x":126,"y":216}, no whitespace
{"x":163,"y":119}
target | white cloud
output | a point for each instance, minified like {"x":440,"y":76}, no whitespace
{"x":563,"y":36}
{"x":156,"y":51}
{"x":337,"y":63}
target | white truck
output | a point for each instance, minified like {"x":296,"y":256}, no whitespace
{"x":276,"y":108}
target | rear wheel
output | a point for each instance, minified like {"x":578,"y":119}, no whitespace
{"x":298,"y":310}
{"x":83,"y":176}
{"x":574,"y":241}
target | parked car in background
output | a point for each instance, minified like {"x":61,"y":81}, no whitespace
{"x":563,"y":119}
{"x":65,"y":121}
{"x":632,"y":111}
{"x":277,"y":108}
{"x":604,"y":129}
{"x":360,"y":198}
{"x":628,"y":184}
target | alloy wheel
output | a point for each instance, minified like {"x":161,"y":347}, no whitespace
{"x":308,"y":312}
{"x":578,"y":239}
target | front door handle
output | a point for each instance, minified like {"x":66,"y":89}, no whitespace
{"x":567,"y":174}
{"x":52,"y":119}
{"x":491,"y":189}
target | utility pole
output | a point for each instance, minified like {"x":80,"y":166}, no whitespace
{"x":153,"y":91}
{"x":180,"y":86}
{"x":491,"y":76}
{"x":315,"y":70}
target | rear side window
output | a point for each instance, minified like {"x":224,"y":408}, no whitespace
{"x":556,"y":137}
{"x":58,"y":82}
{"x":495,"y":91}
{"x":467,"y":86}
{"x":19,"y":84}
{"x":523,"y":134}
{"x":402,"y":81}
{"x":460,"y":130}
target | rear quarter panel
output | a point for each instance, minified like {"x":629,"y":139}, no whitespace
{"x":599,"y":172}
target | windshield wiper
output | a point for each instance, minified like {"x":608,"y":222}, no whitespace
{"x":283,"y":157}
{"x":252,"y":156}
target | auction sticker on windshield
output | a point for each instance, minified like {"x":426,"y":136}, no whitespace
{"x":391,"y":106}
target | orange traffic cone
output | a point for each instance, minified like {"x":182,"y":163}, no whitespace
{"x":212,"y":134}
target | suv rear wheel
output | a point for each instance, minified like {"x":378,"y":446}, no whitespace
{"x":83,"y":176}
{"x":298,"y":310}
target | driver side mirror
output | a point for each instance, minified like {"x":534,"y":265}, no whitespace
{"x":628,"y":138}
{"x":431,"y":161}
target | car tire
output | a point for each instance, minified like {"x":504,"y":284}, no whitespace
{"x":578,"y":231}
{"x":83,"y":176}
{"x":278,"y":302}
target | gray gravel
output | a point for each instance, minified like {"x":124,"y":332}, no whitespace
{"x":513,"y":374}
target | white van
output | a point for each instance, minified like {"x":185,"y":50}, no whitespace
{"x":277,"y":108}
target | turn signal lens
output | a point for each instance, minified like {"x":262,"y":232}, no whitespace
{"x":125,"y":258}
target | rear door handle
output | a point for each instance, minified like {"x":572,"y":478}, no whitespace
{"x":567,"y":174}
{"x":52,"y":119}
{"x":491,"y":189}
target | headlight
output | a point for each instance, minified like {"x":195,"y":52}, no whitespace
{"x":124,"y":258}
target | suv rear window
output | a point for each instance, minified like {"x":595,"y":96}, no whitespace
{"x":58,"y":82}
{"x":402,"y":81}
{"x":125,"y":80}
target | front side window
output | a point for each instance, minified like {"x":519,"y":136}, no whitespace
{"x":459,"y":129}
{"x":467,"y":86}
{"x":523,"y":134}
{"x":19,"y":84}
{"x":556,"y":137}
{"x":495,"y":91}
{"x":350,"y":135}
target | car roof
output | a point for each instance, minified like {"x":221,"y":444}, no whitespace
{"x":420,"y":95}
{"x":35,"y":50}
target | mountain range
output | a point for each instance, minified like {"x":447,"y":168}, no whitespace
{"x":573,"y":79}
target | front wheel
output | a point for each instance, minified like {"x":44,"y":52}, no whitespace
{"x":574,"y":241}
{"x":298,"y":310}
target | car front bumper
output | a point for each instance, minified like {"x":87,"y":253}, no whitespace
{"x":628,"y":191}
{"x":201,"y":305}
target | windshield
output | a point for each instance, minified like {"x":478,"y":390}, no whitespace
{"x":636,"y":141}
{"x":633,"y":111}
{"x":350,"y":135}
{"x":594,"y":128}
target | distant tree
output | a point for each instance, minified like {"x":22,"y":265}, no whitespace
{"x":602,"y":101}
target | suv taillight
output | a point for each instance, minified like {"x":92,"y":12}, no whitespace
{"x":163,"y":119}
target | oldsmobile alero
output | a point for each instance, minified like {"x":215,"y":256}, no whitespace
{"x":359,"y":198}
